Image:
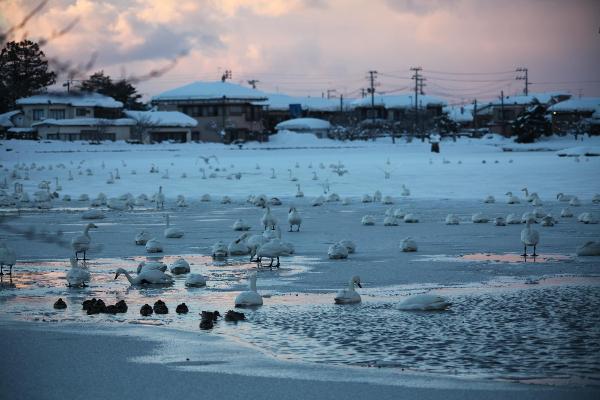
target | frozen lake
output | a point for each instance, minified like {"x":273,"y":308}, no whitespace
{"x":498,"y":326}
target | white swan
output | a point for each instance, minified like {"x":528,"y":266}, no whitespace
{"x":538,"y":212}
{"x":349,"y":245}
{"x":268,"y":220}
{"x":81,"y":243}
{"x":349,"y":295}
{"x":205,"y":197}
{"x":142,"y":238}
{"x":479,"y":218}
{"x":240,"y":225}
{"x":195,"y":280}
{"x":299,"y":193}
{"x":77,"y":276}
{"x":148,"y":277}
{"x":529,"y":237}
{"x":318,"y":201}
{"x":180,"y":266}
{"x":408,"y":245}
{"x":219,"y":250}
{"x":590,"y":248}
{"x":8,"y":257}
{"x":564,"y":197}
{"x":390,"y":220}
{"x":294,"y":218}
{"x":566,"y":213}
{"x":119,"y":205}
{"x":411,"y":219}
{"x":548,"y":220}
{"x":368,"y":220}
{"x":452,"y":219}
{"x":424,"y":302}
{"x":574,"y":202}
{"x":366,"y":198}
{"x":180,"y":202}
{"x":499,"y":221}
{"x":388,"y":200}
{"x":377,"y":196}
{"x":337,"y":251}
{"x":596,"y":199}
{"x":272,"y":250}
{"x":226,"y":200}
{"x":489,"y":200}
{"x":587,"y":218}
{"x":172,"y":233}
{"x":513,"y":219}
{"x":405,"y":191}
{"x":250,"y":297}
{"x":151,"y":263}
{"x":154,"y":246}
{"x":512,"y":199}
{"x":239,"y":247}
{"x":529,"y":197}
{"x":537,"y":202}
{"x":398,"y":213}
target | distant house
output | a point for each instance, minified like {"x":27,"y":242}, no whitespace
{"x":568,"y":114}
{"x":12,"y":126}
{"x":95,"y":117}
{"x":224,"y":111}
{"x":400,"y":110}
{"x":499,"y":114}
{"x":462,"y":115}
{"x":281,"y":107}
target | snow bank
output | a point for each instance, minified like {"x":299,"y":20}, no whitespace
{"x":304,"y":124}
{"x":580,"y":151}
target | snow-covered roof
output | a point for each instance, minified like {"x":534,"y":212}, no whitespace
{"x":86,"y":122}
{"x":75,"y":99}
{"x":6,"y":118}
{"x":544,"y":98}
{"x":303,"y":124}
{"x":398,"y":101}
{"x":279,"y":101}
{"x":211,"y":91}
{"x":162,"y":118}
{"x":460,"y":114}
{"x":583,"y":104}
{"x":21,"y":130}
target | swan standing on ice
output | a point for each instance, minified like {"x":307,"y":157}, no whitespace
{"x":405,"y":191}
{"x":147,"y":277}
{"x":272,"y":250}
{"x":299,"y":193}
{"x":349,"y":295}
{"x":294,"y":218}
{"x":268,"y":220}
{"x":250,"y":297}
{"x":8,"y":257}
{"x":529,"y":237}
{"x":172,"y":233}
{"x":77,"y":276}
{"x":159,"y":199}
{"x":424,"y":302}
{"x":81,"y":243}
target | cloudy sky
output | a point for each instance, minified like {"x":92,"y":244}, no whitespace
{"x":467,"y":48}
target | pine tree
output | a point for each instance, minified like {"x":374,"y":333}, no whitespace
{"x":120,"y":90}
{"x":531,"y":124}
{"x":23,"y":72}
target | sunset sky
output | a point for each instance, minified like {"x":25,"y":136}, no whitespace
{"x":309,"y":46}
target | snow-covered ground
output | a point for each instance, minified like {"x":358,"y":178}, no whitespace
{"x":498,"y":328}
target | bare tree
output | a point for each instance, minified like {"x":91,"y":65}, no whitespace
{"x":144,"y":123}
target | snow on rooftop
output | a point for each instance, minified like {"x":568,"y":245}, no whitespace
{"x":86,"y":122}
{"x":544,"y":98}
{"x":6,"y":118}
{"x":582,"y":104}
{"x":398,"y":101}
{"x":75,"y":99}
{"x":162,"y":118}
{"x":303,"y":124}
{"x":460,"y":114}
{"x":279,"y":101}
{"x":211,"y":91}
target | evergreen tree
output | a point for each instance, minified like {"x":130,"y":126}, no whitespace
{"x":531,"y":124}
{"x":120,"y":90}
{"x":23,"y":72}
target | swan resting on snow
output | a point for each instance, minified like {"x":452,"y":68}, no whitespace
{"x":349,"y":295}
{"x":153,"y":246}
{"x":250,"y":297}
{"x":590,"y":248}
{"x":77,"y":276}
{"x":147,"y":277}
{"x":424,"y":302}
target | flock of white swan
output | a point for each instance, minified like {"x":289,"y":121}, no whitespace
{"x":267,"y":245}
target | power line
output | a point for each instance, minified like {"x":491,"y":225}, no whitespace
{"x":469,"y":73}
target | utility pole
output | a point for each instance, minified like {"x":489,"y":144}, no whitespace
{"x":363,"y":93}
{"x":371,"y":90}
{"x":475,"y":115}
{"x":418,"y":88}
{"x":226,"y":75}
{"x":502,"y":113}
{"x":524,"y":77}
{"x":70,"y":82}
{"x":329,"y":93}
{"x":341,"y":103}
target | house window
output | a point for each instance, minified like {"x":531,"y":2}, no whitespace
{"x":38,"y":114}
{"x":56,"y":114}
{"x":235,"y":110}
{"x":81,"y":112}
